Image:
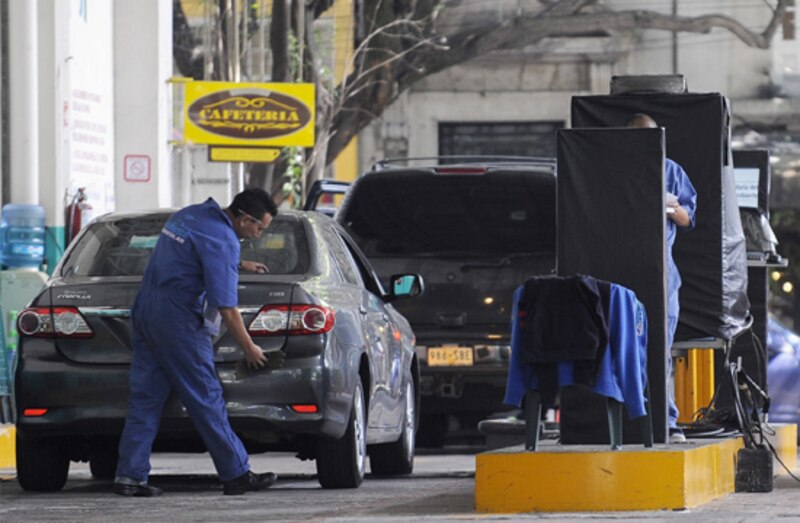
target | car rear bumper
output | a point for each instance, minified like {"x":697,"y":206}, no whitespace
{"x":93,"y":400}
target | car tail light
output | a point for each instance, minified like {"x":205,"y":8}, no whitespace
{"x":53,"y":322}
{"x":303,"y":408}
{"x":292,"y":320}
{"x":34,"y":413}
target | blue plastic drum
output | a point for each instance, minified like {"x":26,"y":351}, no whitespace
{"x":22,"y":236}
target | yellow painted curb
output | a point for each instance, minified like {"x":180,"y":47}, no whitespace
{"x":580,"y":478}
{"x":8,"y":458}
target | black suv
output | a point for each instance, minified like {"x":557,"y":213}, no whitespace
{"x":475,"y":228}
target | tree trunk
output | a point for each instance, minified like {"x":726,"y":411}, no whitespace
{"x":263,"y":175}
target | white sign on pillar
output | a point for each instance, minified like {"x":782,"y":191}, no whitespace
{"x":86,"y":138}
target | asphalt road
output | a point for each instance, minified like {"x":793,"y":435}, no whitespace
{"x":441,"y":489}
{"x":442,"y":485}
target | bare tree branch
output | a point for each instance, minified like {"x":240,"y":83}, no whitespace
{"x":475,"y":33}
{"x":411,"y":39}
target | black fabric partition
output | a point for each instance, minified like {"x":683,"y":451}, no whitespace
{"x":751,"y":349}
{"x":611,"y":225}
{"x":712,"y":257}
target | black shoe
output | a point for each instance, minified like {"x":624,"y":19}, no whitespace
{"x":248,"y":482}
{"x":139,"y":490}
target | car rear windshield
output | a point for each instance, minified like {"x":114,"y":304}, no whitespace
{"x":493,"y":214}
{"x":122,"y":247}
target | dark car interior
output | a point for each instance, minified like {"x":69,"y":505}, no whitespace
{"x":123,"y":247}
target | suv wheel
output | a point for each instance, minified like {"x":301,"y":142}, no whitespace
{"x":341,"y":463}
{"x":103,"y":464}
{"x":42,"y":464}
{"x":398,"y":457}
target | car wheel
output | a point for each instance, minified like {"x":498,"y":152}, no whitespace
{"x":432,"y":430}
{"x":341,"y":463}
{"x":103,"y":464}
{"x":397,"y":457}
{"x":41,"y":464}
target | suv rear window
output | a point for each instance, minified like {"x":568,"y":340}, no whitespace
{"x":122,"y":247}
{"x":425,"y":214}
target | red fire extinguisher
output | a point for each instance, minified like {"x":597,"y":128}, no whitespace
{"x":76,"y":215}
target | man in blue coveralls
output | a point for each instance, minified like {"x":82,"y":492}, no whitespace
{"x":190,"y":283}
{"x":680,"y":207}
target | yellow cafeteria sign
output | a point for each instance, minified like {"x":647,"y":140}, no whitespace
{"x":253,"y":114}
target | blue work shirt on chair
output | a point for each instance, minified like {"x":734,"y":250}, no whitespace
{"x":194,"y":268}
{"x":623,"y":371}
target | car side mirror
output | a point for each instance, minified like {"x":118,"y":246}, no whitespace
{"x":406,"y":285}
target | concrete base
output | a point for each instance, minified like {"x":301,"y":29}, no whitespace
{"x":579,"y":478}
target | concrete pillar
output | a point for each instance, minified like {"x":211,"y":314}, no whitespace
{"x":143,"y":105}
{"x":51,"y":187}
{"x":23,"y":101}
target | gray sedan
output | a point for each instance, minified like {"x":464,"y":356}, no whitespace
{"x":348,"y":387}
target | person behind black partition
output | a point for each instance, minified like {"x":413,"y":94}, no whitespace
{"x":680,"y":208}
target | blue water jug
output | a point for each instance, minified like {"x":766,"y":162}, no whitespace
{"x":22,"y":236}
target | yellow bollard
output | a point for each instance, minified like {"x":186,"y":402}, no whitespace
{"x":694,"y":382}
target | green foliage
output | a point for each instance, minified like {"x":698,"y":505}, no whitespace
{"x":295,"y":58}
{"x":295,"y":167}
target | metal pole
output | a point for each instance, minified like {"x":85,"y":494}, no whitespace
{"x":674,"y":39}
{"x":208,"y":55}
{"x":262,"y":41}
{"x":244,"y":51}
{"x":233,"y":40}
{"x":235,"y":67}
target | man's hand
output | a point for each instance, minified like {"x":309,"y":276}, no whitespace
{"x":276,"y":358}
{"x":253,"y":266}
{"x":679,"y":215}
{"x":256,"y":359}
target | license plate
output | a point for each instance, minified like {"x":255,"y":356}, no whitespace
{"x":450,"y":357}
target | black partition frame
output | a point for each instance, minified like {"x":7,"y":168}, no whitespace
{"x":710,"y":258}
{"x":752,"y":348}
{"x":611,"y":225}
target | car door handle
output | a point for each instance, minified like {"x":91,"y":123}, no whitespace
{"x":362,"y":310}
{"x":386,"y":318}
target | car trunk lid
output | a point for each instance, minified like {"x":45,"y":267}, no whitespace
{"x":106,"y":307}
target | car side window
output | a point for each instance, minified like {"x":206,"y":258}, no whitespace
{"x":371,"y":281}
{"x":343,"y":259}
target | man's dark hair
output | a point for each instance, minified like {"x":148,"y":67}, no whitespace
{"x":641,"y":120}
{"x":255,"y":202}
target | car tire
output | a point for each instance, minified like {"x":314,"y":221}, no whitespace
{"x":397,"y":458}
{"x":42,"y":465}
{"x":432,"y":431}
{"x":103,"y":464}
{"x":341,"y":463}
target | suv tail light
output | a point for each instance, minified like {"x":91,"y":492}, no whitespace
{"x":53,"y":322}
{"x":292,"y":320}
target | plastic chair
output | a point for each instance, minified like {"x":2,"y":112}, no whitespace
{"x":533,"y":416}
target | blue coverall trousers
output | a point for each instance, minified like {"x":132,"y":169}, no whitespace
{"x":673,"y":308}
{"x":161,"y":364}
